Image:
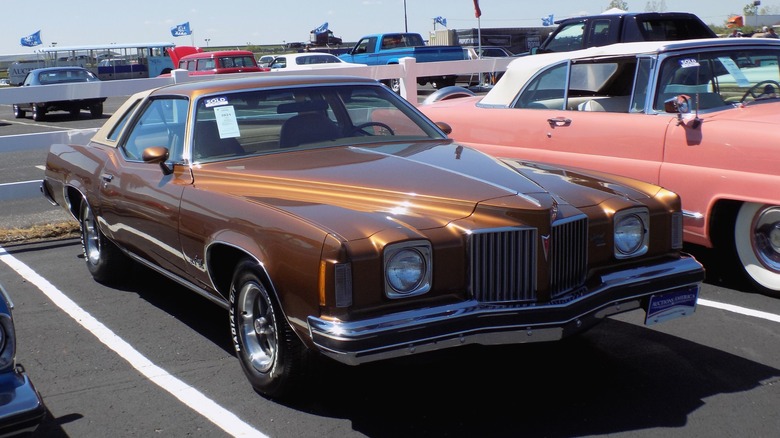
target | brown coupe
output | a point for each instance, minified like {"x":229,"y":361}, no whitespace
{"x":327,"y":215}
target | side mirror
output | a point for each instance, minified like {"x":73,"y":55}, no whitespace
{"x":680,"y":104}
{"x":445,"y":127}
{"x":157,"y":154}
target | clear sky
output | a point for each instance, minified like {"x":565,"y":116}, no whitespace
{"x":238,"y":22}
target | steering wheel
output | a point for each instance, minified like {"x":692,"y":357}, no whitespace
{"x":763,"y":87}
{"x":360,"y":129}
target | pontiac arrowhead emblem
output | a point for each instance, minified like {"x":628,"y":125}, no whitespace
{"x":546,"y":246}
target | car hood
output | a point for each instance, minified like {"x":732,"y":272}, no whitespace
{"x":418,"y":185}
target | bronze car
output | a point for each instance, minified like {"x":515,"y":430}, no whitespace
{"x":328,"y":215}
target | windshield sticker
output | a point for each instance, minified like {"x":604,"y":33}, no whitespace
{"x":216,"y":101}
{"x":686,"y":63}
{"x":734,"y":71}
{"x":226,"y":121}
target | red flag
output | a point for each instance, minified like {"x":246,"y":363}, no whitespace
{"x":477,"y":11}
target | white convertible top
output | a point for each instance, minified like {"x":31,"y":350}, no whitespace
{"x":522,"y":69}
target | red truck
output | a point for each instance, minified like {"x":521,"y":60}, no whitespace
{"x":199,"y":62}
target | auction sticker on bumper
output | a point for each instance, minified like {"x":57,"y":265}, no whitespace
{"x":670,"y":305}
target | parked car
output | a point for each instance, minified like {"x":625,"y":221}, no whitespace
{"x":199,"y":62}
{"x":265,"y":60}
{"x":483,"y":52}
{"x":698,"y":117}
{"x":59,"y":75}
{"x":390,"y":48}
{"x":21,"y":407}
{"x":327,"y":215}
{"x":308,"y":61}
{"x":613,"y":27}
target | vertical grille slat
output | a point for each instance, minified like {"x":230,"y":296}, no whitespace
{"x":503,"y":262}
{"x":568,"y":258}
{"x":503,"y":265}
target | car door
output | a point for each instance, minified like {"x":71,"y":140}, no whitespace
{"x":140,"y":203}
{"x":584,"y":115}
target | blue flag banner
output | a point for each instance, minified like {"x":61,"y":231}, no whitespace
{"x":548,"y":20}
{"x":322,"y":29}
{"x":32,"y":40}
{"x":440,"y":20}
{"x":181,"y":30}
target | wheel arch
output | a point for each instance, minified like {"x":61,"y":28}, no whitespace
{"x":222,"y":258}
{"x":721,"y":225}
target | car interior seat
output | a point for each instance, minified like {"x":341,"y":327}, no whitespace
{"x":208,"y":143}
{"x":310,"y":127}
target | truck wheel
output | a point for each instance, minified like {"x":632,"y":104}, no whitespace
{"x":271,"y":355}
{"x":96,"y":110}
{"x":18,"y":112}
{"x":393,"y":84}
{"x":38,"y":114}
{"x":757,"y":240}
{"x":74,"y":112}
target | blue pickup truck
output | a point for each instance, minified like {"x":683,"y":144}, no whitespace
{"x":388,"y":48}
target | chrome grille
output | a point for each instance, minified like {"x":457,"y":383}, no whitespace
{"x":568,"y":254}
{"x":502,"y":263}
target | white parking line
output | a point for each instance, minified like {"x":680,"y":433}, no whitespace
{"x":188,"y":395}
{"x":740,"y":310}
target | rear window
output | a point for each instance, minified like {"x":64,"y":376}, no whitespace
{"x":668,"y":29}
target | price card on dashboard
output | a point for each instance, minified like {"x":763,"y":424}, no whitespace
{"x":226,"y":121}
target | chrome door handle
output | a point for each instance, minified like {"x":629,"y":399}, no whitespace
{"x":559,"y":121}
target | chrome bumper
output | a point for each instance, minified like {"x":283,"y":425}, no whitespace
{"x":21,"y":407}
{"x":471,"y":322}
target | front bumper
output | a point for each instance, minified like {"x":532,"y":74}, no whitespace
{"x":21,"y":407}
{"x":472,"y":322}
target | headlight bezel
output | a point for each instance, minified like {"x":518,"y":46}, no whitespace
{"x":412,"y":250}
{"x":631,"y":233}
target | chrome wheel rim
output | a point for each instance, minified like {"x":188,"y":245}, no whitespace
{"x":257,"y":325}
{"x":766,"y":238}
{"x":90,"y":236}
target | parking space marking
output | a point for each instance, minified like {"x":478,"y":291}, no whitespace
{"x":188,"y":395}
{"x":740,"y":310}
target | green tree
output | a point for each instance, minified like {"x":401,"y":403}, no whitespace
{"x":620,"y":4}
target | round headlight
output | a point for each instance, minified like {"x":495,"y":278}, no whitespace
{"x":405,"y":270}
{"x":629,"y":234}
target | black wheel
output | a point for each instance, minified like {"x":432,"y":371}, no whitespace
{"x":395,"y":85}
{"x":361,"y":129}
{"x":96,"y":110}
{"x":38,"y":114}
{"x":18,"y":112}
{"x":762,"y":90}
{"x":74,"y":112}
{"x":104,"y":260}
{"x":757,"y":240}
{"x":271,"y":355}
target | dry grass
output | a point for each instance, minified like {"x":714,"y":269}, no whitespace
{"x":40,"y":232}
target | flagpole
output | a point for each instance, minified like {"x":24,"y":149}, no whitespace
{"x":406,"y":26}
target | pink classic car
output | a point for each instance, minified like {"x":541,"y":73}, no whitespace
{"x":698,"y":117}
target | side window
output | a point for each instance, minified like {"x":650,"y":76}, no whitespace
{"x":568,"y":38}
{"x":160,"y":124}
{"x":366,"y":45}
{"x":545,"y":91}
{"x":114,"y":134}
{"x":601,"y":34}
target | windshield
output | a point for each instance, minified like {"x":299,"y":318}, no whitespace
{"x":271,"y":121}
{"x":720,"y":79}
